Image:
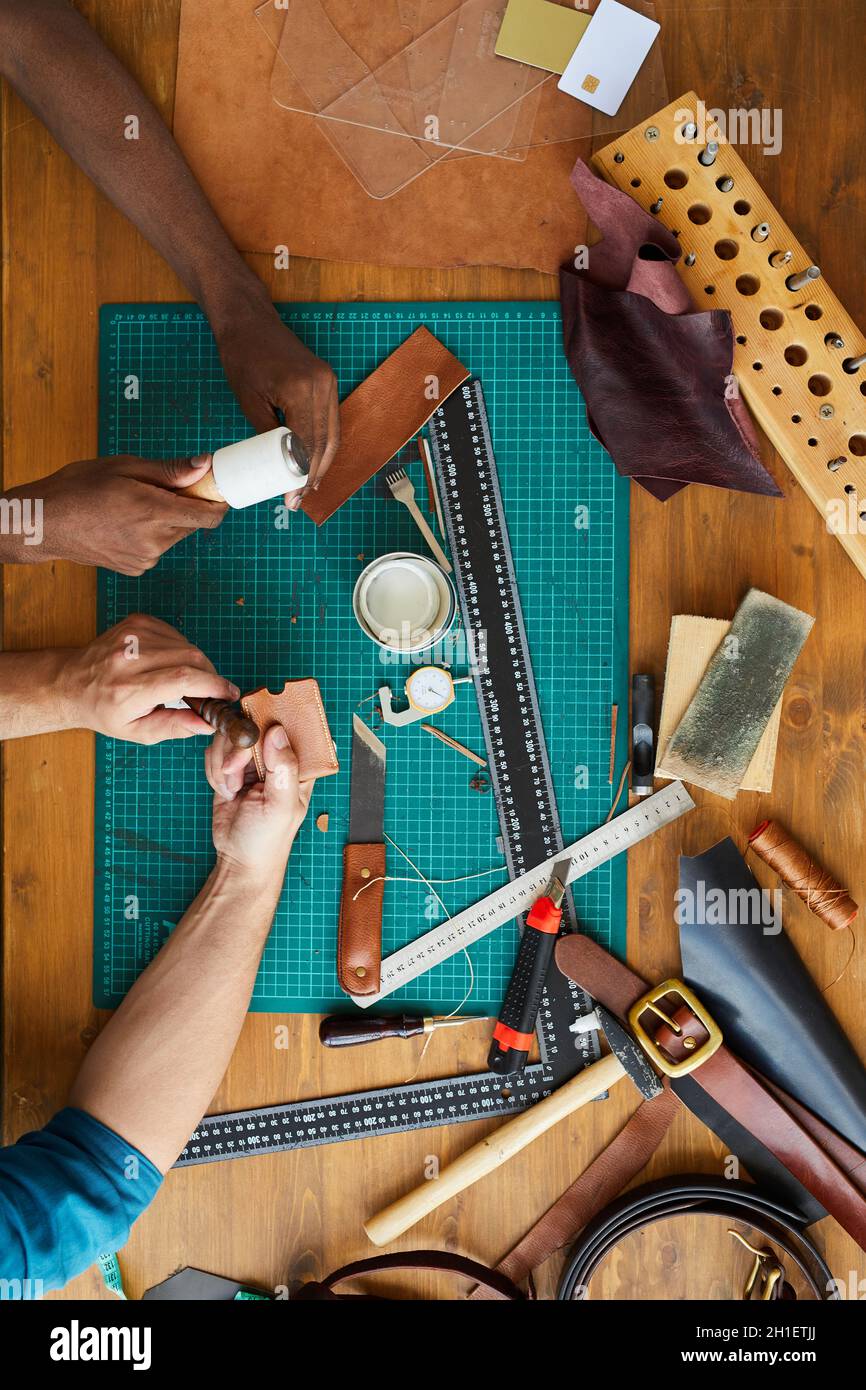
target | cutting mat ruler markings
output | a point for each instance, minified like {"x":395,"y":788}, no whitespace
{"x":517,"y":754}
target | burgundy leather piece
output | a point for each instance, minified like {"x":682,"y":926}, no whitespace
{"x":499,"y":1284}
{"x":604,"y":1179}
{"x":729,"y":1082}
{"x":651,"y":370}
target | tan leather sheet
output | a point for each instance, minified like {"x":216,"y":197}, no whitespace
{"x":383,"y":413}
{"x":298,"y":707}
{"x":275,"y":180}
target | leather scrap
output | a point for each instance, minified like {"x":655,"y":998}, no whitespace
{"x":298,"y":707}
{"x":384,"y":413}
{"x":653,"y":372}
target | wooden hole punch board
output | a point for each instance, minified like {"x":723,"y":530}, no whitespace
{"x":270,"y":604}
{"x":791,"y":375}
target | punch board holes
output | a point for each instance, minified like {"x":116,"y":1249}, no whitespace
{"x":726,"y":249}
{"x":709,"y":289}
{"x":795,"y":419}
{"x":863,"y":388}
{"x":725,"y":183}
{"x":813,"y":311}
{"x":820,"y":385}
{"x":835,"y":464}
{"x":748,"y":284}
{"x":777,"y":390}
{"x":619,"y":157}
{"x":699,"y":213}
{"x":796,"y":355}
{"x":676,"y":178}
{"x":812,"y":443}
{"x":857,"y":445}
{"x":742,"y":208}
{"x":771,"y":319}
{"x":757,"y":366}
{"x":741,"y":339}
{"x":849,"y":488}
{"x":635,"y":183}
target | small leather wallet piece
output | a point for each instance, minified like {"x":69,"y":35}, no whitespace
{"x":298,"y":707}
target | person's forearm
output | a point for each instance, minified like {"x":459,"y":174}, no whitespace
{"x":98,"y":113}
{"x":35,"y":697}
{"x":152,"y":1072}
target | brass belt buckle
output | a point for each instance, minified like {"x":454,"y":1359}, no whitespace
{"x":765,"y":1272}
{"x":701,"y":1051}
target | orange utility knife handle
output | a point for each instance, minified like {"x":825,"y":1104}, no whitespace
{"x":359,"y":943}
{"x":512,"y":1036}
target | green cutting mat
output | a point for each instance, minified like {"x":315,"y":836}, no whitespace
{"x":268,"y":604}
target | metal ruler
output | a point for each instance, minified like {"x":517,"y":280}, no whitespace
{"x":516,"y":897}
{"x":475,"y":522}
{"x":516,"y":752}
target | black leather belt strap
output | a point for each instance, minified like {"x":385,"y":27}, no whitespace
{"x":779,"y":1227}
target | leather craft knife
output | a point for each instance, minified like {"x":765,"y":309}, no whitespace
{"x":359,"y":946}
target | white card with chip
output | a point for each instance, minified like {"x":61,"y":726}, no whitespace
{"x":609,"y":56}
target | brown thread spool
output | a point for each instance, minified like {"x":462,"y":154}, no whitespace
{"x":812,"y":884}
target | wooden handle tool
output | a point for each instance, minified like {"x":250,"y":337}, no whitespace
{"x":491,"y":1153}
{"x":227,"y":719}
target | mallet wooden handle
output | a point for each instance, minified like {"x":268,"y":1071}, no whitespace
{"x":507,"y":1141}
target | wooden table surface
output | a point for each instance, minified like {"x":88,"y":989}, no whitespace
{"x":275,"y":1219}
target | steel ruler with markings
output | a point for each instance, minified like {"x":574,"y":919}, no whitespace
{"x":517,"y":756}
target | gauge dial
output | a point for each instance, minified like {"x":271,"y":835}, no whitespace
{"x":429,"y":689}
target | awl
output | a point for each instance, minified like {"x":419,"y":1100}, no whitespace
{"x":350,"y":1030}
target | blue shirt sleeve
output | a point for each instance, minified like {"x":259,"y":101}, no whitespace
{"x":68,"y":1193}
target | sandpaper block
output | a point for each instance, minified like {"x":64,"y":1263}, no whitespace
{"x":719,"y":733}
{"x":298,"y":707}
{"x":691,"y":646}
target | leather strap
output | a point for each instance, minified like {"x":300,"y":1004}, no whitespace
{"x":359,"y":942}
{"x":298,"y":707}
{"x":597,"y":1185}
{"x":501,"y":1286}
{"x":725,"y":1078}
{"x":384,"y":413}
{"x":731,"y":1201}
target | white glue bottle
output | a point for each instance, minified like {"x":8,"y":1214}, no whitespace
{"x":253,"y":470}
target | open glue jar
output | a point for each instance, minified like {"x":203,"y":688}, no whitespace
{"x":404,"y":602}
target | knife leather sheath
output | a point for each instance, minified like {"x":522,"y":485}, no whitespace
{"x":359,"y":953}
{"x":359,"y":941}
{"x":298,"y":707}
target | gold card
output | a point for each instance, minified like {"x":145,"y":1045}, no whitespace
{"x":541,"y":33}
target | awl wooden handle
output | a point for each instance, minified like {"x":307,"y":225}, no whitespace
{"x":483,"y":1158}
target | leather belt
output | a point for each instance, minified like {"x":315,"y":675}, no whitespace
{"x":682,"y":1042}
{"x":775,"y":1224}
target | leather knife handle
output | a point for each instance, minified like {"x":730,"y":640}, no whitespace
{"x":359,"y":943}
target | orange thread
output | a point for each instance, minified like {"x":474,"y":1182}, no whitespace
{"x":813,"y":885}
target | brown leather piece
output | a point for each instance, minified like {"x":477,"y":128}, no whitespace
{"x":383,"y":413}
{"x":298,"y":707}
{"x":729,"y":1082}
{"x":359,"y":943}
{"x":275,"y":179}
{"x":652,"y":371}
{"x":439,"y":1260}
{"x":607,"y":1175}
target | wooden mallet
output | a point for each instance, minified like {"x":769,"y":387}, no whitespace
{"x":625,"y":1059}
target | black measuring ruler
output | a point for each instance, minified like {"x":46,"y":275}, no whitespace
{"x":529,"y":821}
{"x":462,"y":451}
